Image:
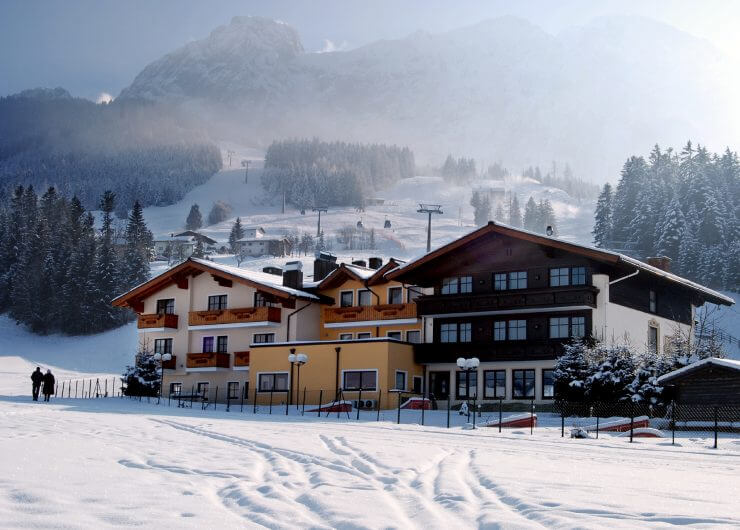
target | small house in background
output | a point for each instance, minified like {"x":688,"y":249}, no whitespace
{"x":181,"y":246}
{"x":254,"y":232}
{"x":261,"y":246}
{"x":710,"y":381}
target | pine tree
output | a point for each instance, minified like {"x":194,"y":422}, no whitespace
{"x":571,"y":372}
{"x":644,"y":387}
{"x":481,"y":204}
{"x":515,"y":215}
{"x":546,"y":216}
{"x":628,"y":192}
{"x":199,"y":251}
{"x":609,"y":379}
{"x":603,"y":228}
{"x":669,"y":231}
{"x":139,"y":243}
{"x":531,"y":216}
{"x":107,"y":281}
{"x":688,"y":250}
{"x":236,"y":234}
{"x":195,"y":219}
{"x":499,"y":215}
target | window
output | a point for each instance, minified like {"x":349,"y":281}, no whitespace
{"x":467,"y":384}
{"x":175,"y":389}
{"x":345,"y":336}
{"x":417,"y":389}
{"x":365,"y":335}
{"x":364,"y":297}
{"x":465,"y":332}
{"x":346,"y":299}
{"x":207,"y":345}
{"x":578,"y":276}
{"x":517,"y":329}
{"x":203,"y":389}
{"x":448,"y":333}
{"x":263,"y":338}
{"x":653,"y":302}
{"x":499,"y":281}
{"x":217,"y":302}
{"x":400,"y":380}
{"x":653,"y":339}
{"x":548,"y":384}
{"x":360,"y":380}
{"x":499,"y":330}
{"x":395,"y":295}
{"x":222,"y":344}
{"x":578,"y":327}
{"x":523,"y":384}
{"x":413,"y":293}
{"x":518,"y":280}
{"x":494,"y":384}
{"x":559,"y":277}
{"x":166,"y":306}
{"x":163,"y":346}
{"x":413,"y":336}
{"x":260,"y":300}
{"x":559,"y":327}
{"x":463,"y":284}
{"x":233,"y":389}
{"x":273,"y":382}
{"x":449,"y":286}
{"x":394,"y":335}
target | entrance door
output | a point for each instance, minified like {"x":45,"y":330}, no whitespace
{"x":439,"y":384}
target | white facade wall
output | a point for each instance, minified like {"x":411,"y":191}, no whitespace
{"x":614,"y":323}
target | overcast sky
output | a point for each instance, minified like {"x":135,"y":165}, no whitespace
{"x":94,"y":46}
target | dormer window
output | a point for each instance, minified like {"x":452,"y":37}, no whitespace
{"x":346,"y":299}
{"x":166,"y":306}
{"x":395,"y":295}
{"x":364,"y":298}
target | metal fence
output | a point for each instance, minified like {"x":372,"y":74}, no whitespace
{"x":575,"y":419}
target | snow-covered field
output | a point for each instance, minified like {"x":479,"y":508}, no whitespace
{"x":115,"y":462}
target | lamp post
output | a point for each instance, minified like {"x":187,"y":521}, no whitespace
{"x":299,"y":360}
{"x":162,"y":358}
{"x":468,"y":365}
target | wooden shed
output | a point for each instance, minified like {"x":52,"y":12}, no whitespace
{"x":710,"y":381}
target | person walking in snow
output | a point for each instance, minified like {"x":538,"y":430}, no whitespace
{"x":36,"y":378}
{"x":48,"y":385}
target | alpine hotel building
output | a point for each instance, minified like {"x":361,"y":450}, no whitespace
{"x":509,"y":297}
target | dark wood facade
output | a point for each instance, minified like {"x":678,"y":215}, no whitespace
{"x":706,"y":385}
{"x":671,"y":302}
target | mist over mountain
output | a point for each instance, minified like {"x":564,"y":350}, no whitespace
{"x":503,"y":89}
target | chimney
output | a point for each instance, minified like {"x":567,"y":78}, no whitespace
{"x":273,"y":270}
{"x":323,"y":265}
{"x":360,"y":263}
{"x":293,"y":275}
{"x":376,"y":263}
{"x":660,"y":262}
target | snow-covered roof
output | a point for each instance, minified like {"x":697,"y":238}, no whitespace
{"x":725,"y":363}
{"x":269,"y":280}
{"x":363,"y":272}
{"x":620,"y":257}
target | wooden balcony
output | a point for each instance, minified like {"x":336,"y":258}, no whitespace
{"x":171,"y":364}
{"x":157,"y":321}
{"x":243,"y":315}
{"x":241,"y":359}
{"x":334,"y":315}
{"x":208,"y":360}
{"x":524,"y":299}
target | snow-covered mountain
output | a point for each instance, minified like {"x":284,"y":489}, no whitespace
{"x":502,"y":89}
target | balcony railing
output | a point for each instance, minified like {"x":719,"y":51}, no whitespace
{"x":208,"y":360}
{"x":524,"y":350}
{"x":241,"y":358}
{"x":156,"y":320}
{"x":171,"y":364}
{"x":234,"y":316}
{"x":372,"y":312}
{"x":466,"y":303}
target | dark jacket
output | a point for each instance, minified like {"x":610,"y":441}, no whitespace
{"x":48,"y":384}
{"x":37,"y":377}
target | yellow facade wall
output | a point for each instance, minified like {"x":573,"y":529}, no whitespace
{"x":320,"y":372}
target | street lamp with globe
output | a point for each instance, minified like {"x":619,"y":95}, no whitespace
{"x":298,"y":359}
{"x":161,"y":358}
{"x":468,"y":365}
